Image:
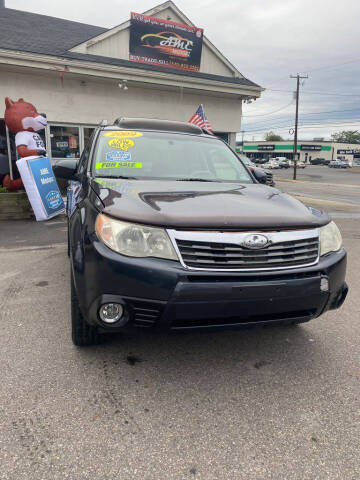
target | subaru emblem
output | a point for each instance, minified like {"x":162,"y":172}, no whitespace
{"x":256,"y":241}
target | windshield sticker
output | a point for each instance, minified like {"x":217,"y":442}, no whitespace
{"x":105,"y":165}
{"x":121,"y":143}
{"x":123,"y":134}
{"x":118,"y":156}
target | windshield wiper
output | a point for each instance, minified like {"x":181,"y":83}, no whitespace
{"x":193,"y":180}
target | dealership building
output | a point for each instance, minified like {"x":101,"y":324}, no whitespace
{"x":80,"y":74}
{"x":307,"y":150}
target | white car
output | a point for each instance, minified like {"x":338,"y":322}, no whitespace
{"x":273,"y":164}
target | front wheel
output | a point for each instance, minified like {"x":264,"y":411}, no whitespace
{"x":81,"y":332}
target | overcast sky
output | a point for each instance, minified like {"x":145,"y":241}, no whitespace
{"x":267,"y":41}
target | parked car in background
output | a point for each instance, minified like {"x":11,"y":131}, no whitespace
{"x":344,"y":164}
{"x":177,"y":234}
{"x":273,"y":163}
{"x":301,"y":165}
{"x":260,"y":161}
{"x":335,"y":164}
{"x":251,"y":166}
{"x":317,"y":161}
{"x":284,"y":164}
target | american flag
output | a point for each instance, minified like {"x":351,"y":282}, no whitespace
{"x":199,"y":119}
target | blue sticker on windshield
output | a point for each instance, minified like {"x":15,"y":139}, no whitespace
{"x":118,"y":156}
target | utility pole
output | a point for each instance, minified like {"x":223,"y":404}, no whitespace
{"x":242,"y":140}
{"x":298,"y":77}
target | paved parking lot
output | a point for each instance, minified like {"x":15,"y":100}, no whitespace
{"x":334,"y":190}
{"x":322,"y":174}
{"x":275,"y":403}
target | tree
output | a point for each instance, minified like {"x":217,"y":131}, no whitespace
{"x":346,"y":136}
{"x":272,"y":137}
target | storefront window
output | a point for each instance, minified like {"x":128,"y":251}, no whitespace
{"x":64,"y":141}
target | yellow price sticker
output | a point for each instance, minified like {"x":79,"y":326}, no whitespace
{"x":123,"y":134}
{"x":104,"y":165}
{"x":121,"y":143}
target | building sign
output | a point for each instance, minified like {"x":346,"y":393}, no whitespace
{"x":266,"y":147}
{"x":347,"y":151}
{"x":311,"y":148}
{"x":156,"y":41}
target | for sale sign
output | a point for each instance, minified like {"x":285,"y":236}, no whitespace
{"x":160,"y":42}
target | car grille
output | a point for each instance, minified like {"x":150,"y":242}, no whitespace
{"x":269,"y":178}
{"x":213,"y":255}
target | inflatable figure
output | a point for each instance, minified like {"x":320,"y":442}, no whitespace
{"x":23,"y":120}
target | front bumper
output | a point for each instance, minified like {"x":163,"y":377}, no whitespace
{"x":162,"y":295}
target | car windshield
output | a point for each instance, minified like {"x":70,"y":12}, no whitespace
{"x":168,"y":156}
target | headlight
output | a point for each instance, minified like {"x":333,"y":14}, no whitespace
{"x":134,"y":240}
{"x":330,"y":238}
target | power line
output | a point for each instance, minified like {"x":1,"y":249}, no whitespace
{"x":357,"y":59}
{"x":317,"y":93}
{"x":333,"y":65}
{"x":270,"y":113}
{"x":302,"y":117}
{"x":331,"y":111}
{"x":307,"y":125}
{"x":317,"y":113}
{"x":305,"y":115}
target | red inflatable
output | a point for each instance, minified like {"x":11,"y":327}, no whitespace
{"x":23,"y":120}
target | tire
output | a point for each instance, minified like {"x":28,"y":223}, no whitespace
{"x":82,"y":333}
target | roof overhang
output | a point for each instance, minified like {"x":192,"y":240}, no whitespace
{"x":137,"y":75}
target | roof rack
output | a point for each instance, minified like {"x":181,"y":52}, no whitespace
{"x":155,"y":124}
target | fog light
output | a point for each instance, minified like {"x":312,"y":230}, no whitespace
{"x":324,"y":284}
{"x":111,"y":312}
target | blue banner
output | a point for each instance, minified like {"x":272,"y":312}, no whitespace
{"x":46,"y":185}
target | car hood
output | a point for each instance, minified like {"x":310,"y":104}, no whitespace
{"x":204,"y":205}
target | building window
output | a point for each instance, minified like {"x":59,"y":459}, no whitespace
{"x":64,"y":141}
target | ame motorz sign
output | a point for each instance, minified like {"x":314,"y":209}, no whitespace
{"x":156,"y":41}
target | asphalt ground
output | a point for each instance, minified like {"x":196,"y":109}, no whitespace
{"x":322,"y":174}
{"x":273,"y":403}
{"x":336,"y":191}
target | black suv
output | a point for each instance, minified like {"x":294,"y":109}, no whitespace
{"x":168,"y":230}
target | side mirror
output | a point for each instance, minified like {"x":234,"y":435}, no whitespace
{"x":66,"y":168}
{"x":260,"y":175}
